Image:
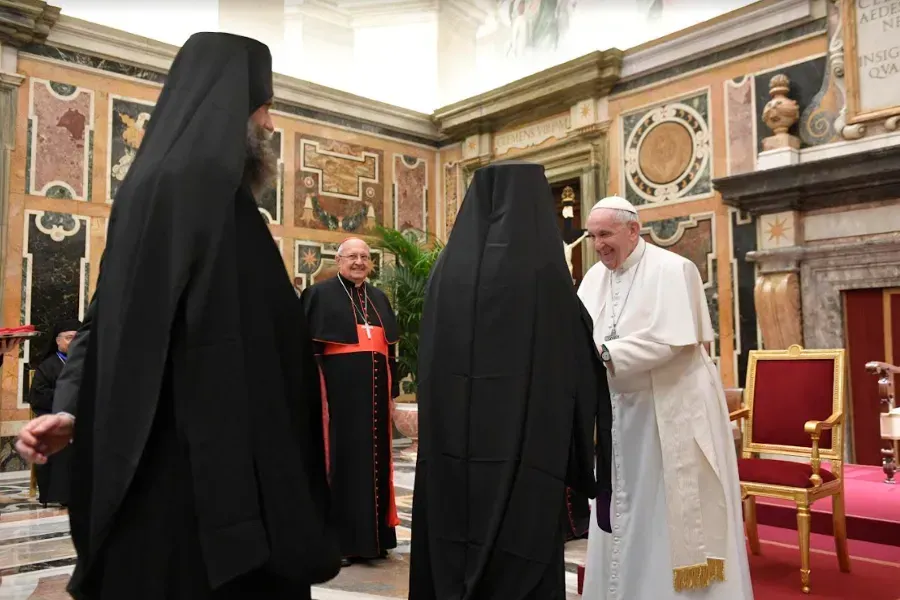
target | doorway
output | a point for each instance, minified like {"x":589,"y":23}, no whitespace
{"x":570,"y":228}
{"x":872,"y":333}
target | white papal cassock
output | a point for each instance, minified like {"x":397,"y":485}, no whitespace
{"x":676,"y":513}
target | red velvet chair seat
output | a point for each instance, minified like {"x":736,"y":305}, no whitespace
{"x":779,"y":472}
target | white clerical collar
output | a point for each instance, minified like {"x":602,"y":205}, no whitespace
{"x":633,"y":258}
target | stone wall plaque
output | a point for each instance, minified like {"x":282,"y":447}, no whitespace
{"x":534,"y":134}
{"x":872,"y":45}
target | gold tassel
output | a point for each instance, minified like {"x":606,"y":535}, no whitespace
{"x":696,"y":577}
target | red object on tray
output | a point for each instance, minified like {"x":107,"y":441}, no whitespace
{"x":580,"y":579}
{"x":22,"y":329}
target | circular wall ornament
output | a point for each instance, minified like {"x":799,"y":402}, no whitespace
{"x":667,"y":152}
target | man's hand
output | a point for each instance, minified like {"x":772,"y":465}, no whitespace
{"x":7,"y":345}
{"x":44,"y":436}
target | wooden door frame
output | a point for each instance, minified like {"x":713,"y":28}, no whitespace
{"x":889,"y":357}
{"x":581,"y":155}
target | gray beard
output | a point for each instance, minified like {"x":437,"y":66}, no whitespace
{"x":261,"y":166}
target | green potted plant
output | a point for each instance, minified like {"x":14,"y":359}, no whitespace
{"x":404,"y":281}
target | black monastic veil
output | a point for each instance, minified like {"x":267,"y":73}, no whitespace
{"x":195,"y":316}
{"x":510,"y":392}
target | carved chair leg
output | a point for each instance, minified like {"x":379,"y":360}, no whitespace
{"x":803,"y":529}
{"x":750,"y":524}
{"x":32,"y":483}
{"x":839,"y":520}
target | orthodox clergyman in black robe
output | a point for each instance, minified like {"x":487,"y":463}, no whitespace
{"x":199,"y":467}
{"x":355,"y":333}
{"x":511,"y":391}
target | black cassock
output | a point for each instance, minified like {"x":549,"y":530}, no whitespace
{"x":358,"y":385}
{"x":53,"y":477}
{"x":511,"y":390}
{"x":199,"y":464}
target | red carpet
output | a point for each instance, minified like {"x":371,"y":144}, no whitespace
{"x":776,"y":575}
{"x":873,"y":509}
{"x":875,"y":569}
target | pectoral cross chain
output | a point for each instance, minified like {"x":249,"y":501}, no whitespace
{"x":368,"y":330}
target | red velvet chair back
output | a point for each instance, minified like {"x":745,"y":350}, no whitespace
{"x":787,"y":388}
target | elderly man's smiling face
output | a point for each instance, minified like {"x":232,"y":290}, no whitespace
{"x":354,"y":260}
{"x":614,"y":234}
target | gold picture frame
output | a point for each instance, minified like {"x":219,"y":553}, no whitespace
{"x":855,"y":113}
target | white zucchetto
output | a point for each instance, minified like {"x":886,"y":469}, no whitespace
{"x":616,"y":203}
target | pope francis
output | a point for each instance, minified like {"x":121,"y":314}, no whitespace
{"x":676,"y":514}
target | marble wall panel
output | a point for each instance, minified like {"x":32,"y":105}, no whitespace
{"x":339,"y":186}
{"x":410,"y":194}
{"x":806,"y":83}
{"x":128,"y":120}
{"x":315,"y":261}
{"x":667,"y":151}
{"x":60,"y":140}
{"x":694,"y":238}
{"x":778,"y":230}
{"x":271,"y":203}
{"x":740,"y":123}
{"x":55,"y":276}
{"x":452,"y":196}
{"x":742,"y":228}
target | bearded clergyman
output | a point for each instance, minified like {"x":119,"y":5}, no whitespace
{"x":677,"y":530}
{"x":199,"y":463}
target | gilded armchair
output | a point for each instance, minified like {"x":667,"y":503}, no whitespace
{"x":795,"y":410}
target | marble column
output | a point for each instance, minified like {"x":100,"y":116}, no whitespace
{"x":457,"y":25}
{"x":777,"y":290}
{"x":318,"y":44}
{"x":259,"y":19}
{"x":9,"y":88}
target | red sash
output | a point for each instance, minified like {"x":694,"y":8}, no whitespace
{"x":371,"y":340}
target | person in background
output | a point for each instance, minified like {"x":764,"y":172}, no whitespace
{"x":355,"y":335}
{"x":48,"y":434}
{"x":52,"y":476}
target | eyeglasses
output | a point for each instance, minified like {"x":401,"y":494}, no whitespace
{"x":356,"y":257}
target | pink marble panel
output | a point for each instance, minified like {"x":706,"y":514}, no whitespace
{"x":410,"y":184}
{"x":59,"y":146}
{"x":451,"y":195}
{"x":741,"y":126}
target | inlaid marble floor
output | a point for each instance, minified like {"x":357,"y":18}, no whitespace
{"x":37,"y":557}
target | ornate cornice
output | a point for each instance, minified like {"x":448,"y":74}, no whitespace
{"x":359,"y":112}
{"x":325,"y":99}
{"x":10,"y":80}
{"x":26,"y":21}
{"x":739,"y":26}
{"x":830,"y":182}
{"x":529,"y":99}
